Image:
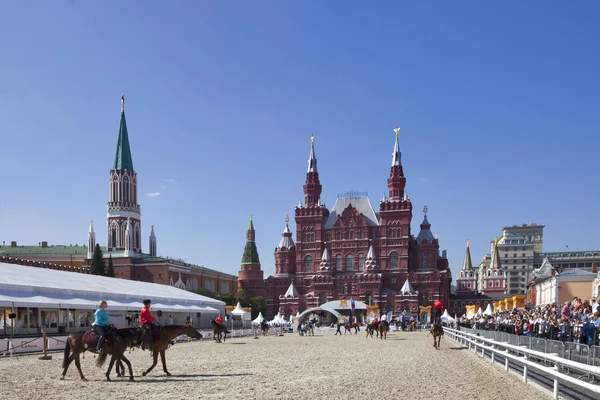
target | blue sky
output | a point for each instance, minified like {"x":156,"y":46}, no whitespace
{"x":498,"y":105}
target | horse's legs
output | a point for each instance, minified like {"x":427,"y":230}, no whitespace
{"x":69,"y":361}
{"x":128,"y":365}
{"x":155,"y":356}
{"x":164,"y":362}
{"x":78,"y":365}
{"x":110,"y":365}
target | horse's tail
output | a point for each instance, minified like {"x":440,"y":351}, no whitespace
{"x":101,"y":359}
{"x":67,"y":353}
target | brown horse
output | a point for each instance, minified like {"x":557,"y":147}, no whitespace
{"x":264,"y":328}
{"x":373,"y":326}
{"x":219,"y":331}
{"x":384,"y":327}
{"x":80,"y":342}
{"x":437,"y":332}
{"x":349,"y":327}
{"x":170,"y":333}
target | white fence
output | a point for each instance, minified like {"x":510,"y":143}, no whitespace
{"x":522,"y":355}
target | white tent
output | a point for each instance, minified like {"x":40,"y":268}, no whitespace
{"x":239,"y":311}
{"x":258,"y":319}
{"x":276,"y":320}
{"x":446,"y":317}
{"x":488,"y":310}
{"x":479,"y":313}
{"x":470,"y":314}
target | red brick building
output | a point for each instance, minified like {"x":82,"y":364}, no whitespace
{"x":351,"y":251}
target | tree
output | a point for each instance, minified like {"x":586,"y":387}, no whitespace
{"x":228,"y":298}
{"x":110,"y":270}
{"x":258,"y":304}
{"x":202,"y":291}
{"x":242,"y":298}
{"x":98,"y":265}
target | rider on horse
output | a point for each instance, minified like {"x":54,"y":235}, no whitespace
{"x":438,"y":309}
{"x":100,"y":324}
{"x":219,"y":320}
{"x":148,"y":322}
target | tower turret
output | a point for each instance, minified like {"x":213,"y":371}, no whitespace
{"x":312,"y":186}
{"x":285,"y":252}
{"x":91,"y":240}
{"x":250,"y":275}
{"x":122,"y":204}
{"x":152,"y":242}
{"x":396,"y":181}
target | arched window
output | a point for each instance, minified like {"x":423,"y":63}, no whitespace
{"x":338,"y":235}
{"x":360,"y":234}
{"x":328,"y":236}
{"x":393,"y":260}
{"x":224,"y":287}
{"x":338,"y":262}
{"x":424,"y":262}
{"x":361,"y":261}
{"x":351,"y":234}
{"x":113,"y":237}
{"x":497,"y":284}
{"x":349,"y":262}
{"x":322,"y":298}
{"x":308,"y":264}
{"x":283,"y":267}
{"x":126,"y":190}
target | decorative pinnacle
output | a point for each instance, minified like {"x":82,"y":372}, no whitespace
{"x":122,"y":102}
{"x":425,"y":209}
{"x":287,"y":219}
{"x":312,"y":138}
{"x":397,"y":131}
{"x":468,"y":241}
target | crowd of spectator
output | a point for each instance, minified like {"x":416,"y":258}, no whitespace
{"x":574,"y":321}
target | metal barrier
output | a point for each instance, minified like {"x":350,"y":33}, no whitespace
{"x":504,"y":349}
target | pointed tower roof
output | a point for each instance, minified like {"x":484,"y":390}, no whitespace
{"x":467,"y":264}
{"x":123,"y":158}
{"x":396,"y":155}
{"x":250,"y":251}
{"x":325,"y":260}
{"x":91,"y":230}
{"x":425,"y":233}
{"x":495,"y":261}
{"x":291,"y":291}
{"x":407,"y":288}
{"x":286,"y":237}
{"x":371,"y":261}
{"x":312,"y":159}
{"x":152,"y":235}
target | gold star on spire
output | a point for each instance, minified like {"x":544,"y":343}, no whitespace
{"x":425,"y":209}
{"x":468,"y":241}
{"x":287,"y":219}
{"x":122,"y":102}
{"x":312,"y":138}
{"x":397,"y":131}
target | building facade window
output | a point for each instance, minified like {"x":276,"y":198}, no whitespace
{"x":283,"y":267}
{"x":424,"y":262}
{"x":338,"y":262}
{"x":308,"y":264}
{"x":393,"y":260}
{"x":361,"y":261}
{"x":349,"y":289}
{"x":349,"y":262}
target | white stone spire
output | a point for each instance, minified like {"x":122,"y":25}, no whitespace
{"x":152,"y":242}
{"x":91,"y":240}
{"x":396,"y":155}
{"x":325,"y":261}
{"x":128,"y":237}
{"x":467,"y":264}
{"x":286,"y":241}
{"x":371,"y":261}
{"x":291,"y":291}
{"x":407,"y":288}
{"x":312,"y":159}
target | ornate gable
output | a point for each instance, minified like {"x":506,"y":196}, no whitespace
{"x":350,"y":217}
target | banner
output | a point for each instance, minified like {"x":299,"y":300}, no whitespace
{"x":372,"y":312}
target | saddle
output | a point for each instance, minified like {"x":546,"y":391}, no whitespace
{"x":90,"y":338}
{"x":155,"y":330}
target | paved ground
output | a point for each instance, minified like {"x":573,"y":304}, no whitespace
{"x":404,"y":367}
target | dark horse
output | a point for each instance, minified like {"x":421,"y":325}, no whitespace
{"x":264,"y":328}
{"x":437,"y":332}
{"x":160,"y":345}
{"x":373,"y":326}
{"x":384,"y":327}
{"x":116,"y":345}
{"x":219,"y":331}
{"x":350,"y":326}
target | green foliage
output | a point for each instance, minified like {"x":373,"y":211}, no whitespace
{"x":98,"y":265}
{"x":204,"y":292}
{"x":258,"y":304}
{"x":228,"y":298}
{"x":110,"y":270}
{"x":243,"y":298}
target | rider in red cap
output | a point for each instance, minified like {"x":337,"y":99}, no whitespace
{"x":147,"y":321}
{"x":438,"y":309}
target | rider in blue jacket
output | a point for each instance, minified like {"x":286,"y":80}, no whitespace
{"x":100,"y":324}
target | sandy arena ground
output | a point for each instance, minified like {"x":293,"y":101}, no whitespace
{"x":404,"y":367}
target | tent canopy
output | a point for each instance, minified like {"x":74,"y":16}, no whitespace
{"x":258,"y":319}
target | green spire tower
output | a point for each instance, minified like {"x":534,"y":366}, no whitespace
{"x":250,"y":276}
{"x":123,"y":156}
{"x":250,"y":251}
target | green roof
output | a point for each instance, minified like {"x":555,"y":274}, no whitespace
{"x":56,"y":250}
{"x":123,"y":156}
{"x":250,"y":253}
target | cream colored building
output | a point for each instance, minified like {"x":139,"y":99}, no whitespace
{"x":563,"y":287}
